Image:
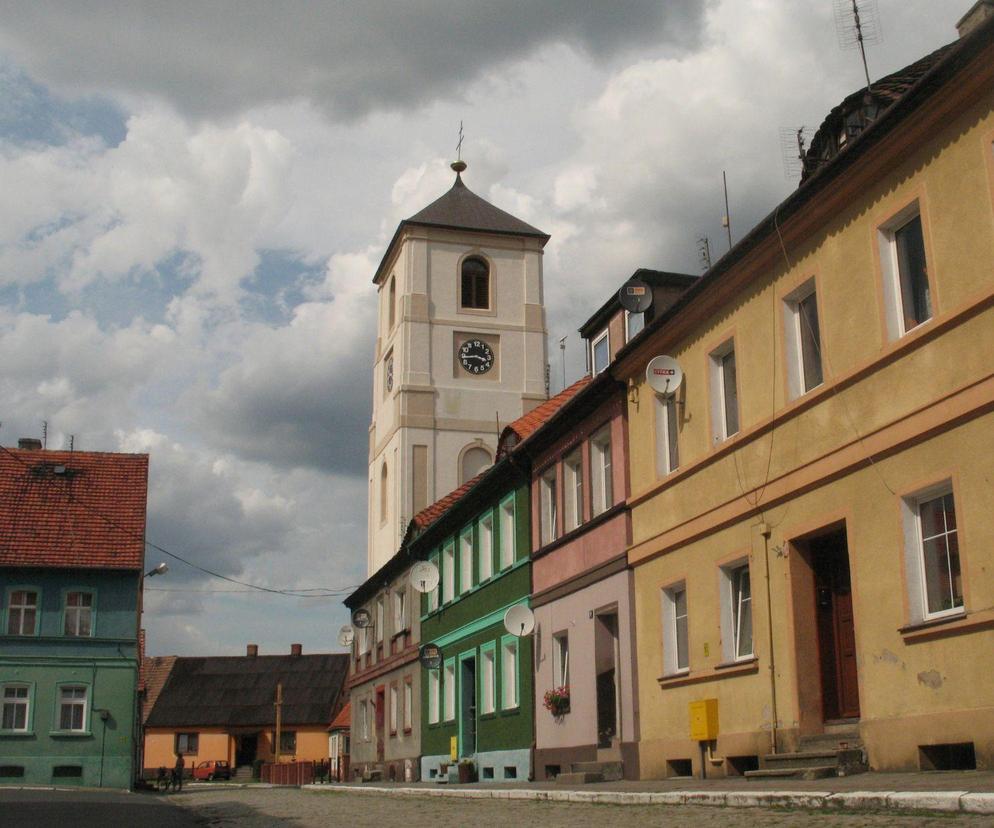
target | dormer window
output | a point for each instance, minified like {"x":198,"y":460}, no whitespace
{"x":475,"y":284}
{"x":600,"y":352}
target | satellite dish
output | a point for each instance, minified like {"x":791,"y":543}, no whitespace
{"x":430,"y":656}
{"x":519,"y":620}
{"x":346,"y":635}
{"x":664,"y":375}
{"x":635,"y":296}
{"x":362,"y":618}
{"x":424,"y":576}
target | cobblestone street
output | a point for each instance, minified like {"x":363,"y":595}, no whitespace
{"x":249,"y":808}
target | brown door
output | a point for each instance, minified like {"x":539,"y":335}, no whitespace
{"x":836,"y":628}
{"x":381,"y":703}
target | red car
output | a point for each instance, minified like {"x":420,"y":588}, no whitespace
{"x":212,"y":769}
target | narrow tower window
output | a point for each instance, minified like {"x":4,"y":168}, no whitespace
{"x":475,"y":292}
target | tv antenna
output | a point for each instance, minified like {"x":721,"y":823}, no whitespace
{"x":726,"y":220}
{"x":519,"y":620}
{"x":346,"y":635}
{"x":857,"y":23}
{"x":459,"y":143}
{"x":792,"y":151}
{"x":562,"y":353}
{"x":704,"y":251}
{"x":424,"y":576}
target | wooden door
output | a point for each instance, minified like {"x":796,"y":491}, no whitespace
{"x":836,"y":627}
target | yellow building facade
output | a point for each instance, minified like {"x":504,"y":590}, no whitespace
{"x":813,"y":537}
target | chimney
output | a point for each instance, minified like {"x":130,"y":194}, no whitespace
{"x":30,"y":443}
{"x":974,"y":19}
{"x":296,"y":649}
{"x":252,"y":650}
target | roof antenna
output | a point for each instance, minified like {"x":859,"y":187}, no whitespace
{"x":459,"y":165}
{"x":704,"y":249}
{"x":857,"y":23}
{"x":44,"y":434}
{"x":562,"y":352}
{"x":726,"y":220}
{"x":72,"y":442}
{"x":792,"y":151}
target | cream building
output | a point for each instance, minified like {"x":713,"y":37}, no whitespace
{"x":460,"y":353}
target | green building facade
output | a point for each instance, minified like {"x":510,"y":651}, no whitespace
{"x":478,"y":707}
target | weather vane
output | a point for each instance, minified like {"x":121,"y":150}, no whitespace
{"x":459,"y":144}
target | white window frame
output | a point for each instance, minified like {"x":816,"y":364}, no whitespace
{"x":560,"y":659}
{"x":448,"y":572}
{"x":364,"y":720}
{"x":509,"y":673}
{"x":485,"y":530}
{"x":466,"y":561}
{"x":673,"y":663}
{"x":394,"y":709}
{"x":667,"y":435}
{"x":573,"y":490}
{"x":380,"y":620}
{"x":15,"y":696}
{"x":601,"y":471}
{"x":914,"y":545}
{"x":73,"y":615}
{"x":488,"y":702}
{"x":507,"y":532}
{"x":19,"y":611}
{"x":449,"y":690}
{"x":734,"y":609}
{"x":400,"y":614}
{"x":605,"y":337}
{"x":73,"y":703}
{"x":548,"y":496}
{"x":408,"y":704}
{"x":794,"y":325}
{"x":629,"y":316}
{"x":892,"y":281}
{"x":434,"y":695}
{"x":721,"y":407}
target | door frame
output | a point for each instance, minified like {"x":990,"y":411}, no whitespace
{"x":467,"y":655}
{"x":611,"y":609}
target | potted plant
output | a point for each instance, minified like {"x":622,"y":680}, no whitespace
{"x":557,"y":701}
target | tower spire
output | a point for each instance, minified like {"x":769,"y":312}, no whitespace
{"x":459,"y":165}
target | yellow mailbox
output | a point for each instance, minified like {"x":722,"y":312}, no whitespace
{"x":453,"y":748}
{"x":704,"y":720}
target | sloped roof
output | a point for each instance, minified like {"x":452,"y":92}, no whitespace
{"x":427,"y":516}
{"x":528,"y":424}
{"x":154,"y":673}
{"x":343,"y":721}
{"x":233,"y":691}
{"x":82,"y":509}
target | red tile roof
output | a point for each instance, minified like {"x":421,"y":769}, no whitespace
{"x":83,"y":510}
{"x":343,"y":721}
{"x":427,"y":516}
{"x":155,"y":670}
{"x":527,"y":425}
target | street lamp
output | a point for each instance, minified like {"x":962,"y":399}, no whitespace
{"x":161,"y":569}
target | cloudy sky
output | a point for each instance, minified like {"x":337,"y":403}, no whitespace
{"x":194,"y":196}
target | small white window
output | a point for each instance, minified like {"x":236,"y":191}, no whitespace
{"x":907,"y":294}
{"x":72,"y":709}
{"x":634,"y":322}
{"x":22,"y":613}
{"x":379,"y":620}
{"x":601,"y":488}
{"x":393,"y":708}
{"x":509,"y":674}
{"x":803,"y":340}
{"x":450,"y":690}
{"x":506,"y":534}
{"x":548,"y":498}
{"x":486,"y":533}
{"x":724,"y":392}
{"x":15,"y":707}
{"x":573,"y":490}
{"x":392,"y":303}
{"x":448,"y":573}
{"x":79,"y":614}
{"x":932,"y":554}
{"x":600,"y":352}
{"x":408,"y":704}
{"x":560,"y":659}
{"x":364,"y":720}
{"x":489,"y":681}
{"x":736,"y":628}
{"x":466,"y":562}
{"x":434,"y":694}
{"x":676,"y":651}
{"x":667,"y":431}
{"x":400,"y":610}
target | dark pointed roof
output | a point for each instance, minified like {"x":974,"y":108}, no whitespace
{"x":462,"y":209}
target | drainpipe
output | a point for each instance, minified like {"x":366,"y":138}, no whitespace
{"x":766,"y":531}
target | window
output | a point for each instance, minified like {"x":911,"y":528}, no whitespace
{"x":803,"y":340}
{"x":676,"y":653}
{"x":393,"y":709}
{"x":724,"y":392}
{"x":907,"y":297}
{"x":450,"y":690}
{"x":486,"y":536}
{"x":15,"y":707}
{"x":507,"y":533}
{"x":667,"y":429}
{"x":433,"y":595}
{"x":560,"y":659}
{"x":186,"y":743}
{"x":408,"y":704}
{"x":932,"y":542}
{"x":379,"y":620}
{"x":634,"y":322}
{"x":600,"y":471}
{"x":736,"y":633}
{"x":600,"y":352}
{"x":79,"y":614}
{"x":384,"y":488}
{"x":364,"y":720}
{"x":466,"y":561}
{"x":400,"y":610}
{"x":474,"y":461}
{"x":475,"y":292}
{"x":288,"y":741}
{"x":573,"y":490}
{"x":489,"y":700}
{"x":547,"y":494}
{"x":22,"y":612}
{"x":434,"y":692}
{"x":392,"y":304}
{"x":509,"y":673}
{"x":448,"y":572}
{"x":72,"y":708}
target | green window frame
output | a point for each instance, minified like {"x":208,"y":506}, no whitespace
{"x":484,"y":574}
{"x":449,"y":681}
{"x":510,"y":642}
{"x":59,"y":703}
{"x":466,"y":655}
{"x":466,"y":572}
{"x":67,"y":612}
{"x":448,"y":572}
{"x":503,"y":526}
{"x":7,"y":610}
{"x":488,"y":656}
{"x":8,"y":716}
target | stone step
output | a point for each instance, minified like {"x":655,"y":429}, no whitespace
{"x":807,"y":773}
{"x":829,"y":742}
{"x":801,"y":759}
{"x":609,"y":771}
{"x":578,"y":778}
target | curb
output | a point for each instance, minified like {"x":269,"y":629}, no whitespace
{"x":936,"y":801}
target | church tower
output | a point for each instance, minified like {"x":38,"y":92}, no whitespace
{"x":460,"y":353}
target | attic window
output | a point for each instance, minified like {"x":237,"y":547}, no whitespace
{"x":475,"y":286}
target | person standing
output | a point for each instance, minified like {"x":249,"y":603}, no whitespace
{"x":178,"y":772}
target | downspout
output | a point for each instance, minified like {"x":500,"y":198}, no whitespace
{"x":766,"y":531}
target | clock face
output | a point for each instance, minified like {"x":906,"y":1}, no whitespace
{"x":475,"y":356}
